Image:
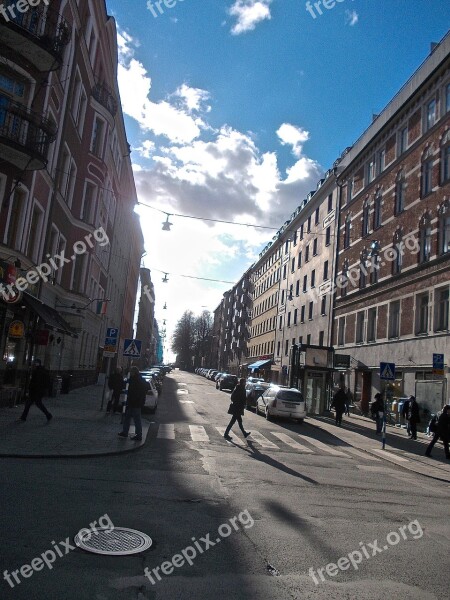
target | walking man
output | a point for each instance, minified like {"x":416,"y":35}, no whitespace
{"x":238,"y":400}
{"x":442,"y":431}
{"x":137,"y":390}
{"x":38,"y":387}
{"x":116,"y":385}
{"x":413,"y":417}
{"x":339,"y":403}
{"x":405,"y":409}
{"x":377,"y":408}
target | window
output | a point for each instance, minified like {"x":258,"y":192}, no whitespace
{"x":425,"y":238}
{"x":317,"y":218}
{"x":282,"y":297}
{"x":325,"y":270}
{"x":307,"y":253}
{"x":16,"y":216}
{"x":97,"y":137}
{"x":375,"y":267}
{"x":344,"y":279}
{"x":280,"y":325}
{"x":78,"y":274}
{"x":330,"y":203}
{"x":370,"y":171}
{"x":299,"y":260}
{"x":377,"y":213}
{"x":35,"y":233}
{"x":394,"y":319}
{"x":447,"y":98}
{"x":301,"y":231}
{"x":321,"y":334}
{"x":315,"y":247}
{"x":371,"y":324}
{"x":363,"y":270}
{"x":310,"y":311}
{"x":305,"y":283}
{"x":444,"y":228}
{"x":349,"y":190}
{"x":286,"y":247}
{"x":402,"y":140}
{"x":278,"y":348}
{"x":360,"y":318}
{"x":427,"y":172}
{"x":293,"y":265}
{"x":309,"y":224}
{"x":341,"y":331}
{"x":431,"y":115}
{"x":295,"y":316}
{"x":297,"y":287}
{"x":61,"y":249}
{"x":422,"y":313}
{"x":347,"y":228}
{"x":441,"y":309}
{"x":381,"y":161}
{"x":302,"y":314}
{"x":313,"y":278}
{"x":284,"y":271}
{"x":328,"y":236}
{"x":445,"y":158}
{"x":323,"y":306}
{"x":400,"y":187}
{"x":397,"y":252}
{"x":365,"y":218}
{"x":286,"y":348}
{"x":289,"y":319}
{"x":308,"y":339}
{"x":294,"y":241}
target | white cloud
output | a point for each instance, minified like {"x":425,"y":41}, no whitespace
{"x":248,"y":14}
{"x":293,"y":136}
{"x":351,"y":17}
{"x":193,"y":98}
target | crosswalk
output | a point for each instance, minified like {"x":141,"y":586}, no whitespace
{"x":281,"y":441}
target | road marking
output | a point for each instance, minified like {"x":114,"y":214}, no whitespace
{"x":290,"y":442}
{"x":323,"y":447}
{"x":237,"y":441}
{"x":186,"y":402}
{"x":198,"y":433}
{"x":387,"y":454}
{"x":166,"y":431}
{"x":360,"y":454}
{"x":262,"y":441}
{"x":182,"y":392}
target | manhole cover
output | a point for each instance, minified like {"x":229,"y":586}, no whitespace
{"x":119,"y":541}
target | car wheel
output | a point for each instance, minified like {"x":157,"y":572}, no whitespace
{"x":300,"y":421}
{"x":268,"y":415}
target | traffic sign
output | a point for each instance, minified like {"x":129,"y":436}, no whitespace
{"x":132,"y":348}
{"x":108,"y":354}
{"x":387,"y":371}
{"x":438,"y":365}
{"x":112,"y":332}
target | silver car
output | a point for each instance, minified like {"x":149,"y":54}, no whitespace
{"x":282,"y":402}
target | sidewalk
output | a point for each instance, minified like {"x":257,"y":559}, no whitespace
{"x":359,"y":432}
{"x":78,"y":428}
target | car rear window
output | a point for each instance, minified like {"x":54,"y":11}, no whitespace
{"x":290,"y":396}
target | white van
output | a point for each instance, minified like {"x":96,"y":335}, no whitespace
{"x":280,"y":401}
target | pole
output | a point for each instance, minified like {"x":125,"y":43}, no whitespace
{"x":108,"y":371}
{"x":383,"y":439}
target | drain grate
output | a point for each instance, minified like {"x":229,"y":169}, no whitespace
{"x":118,"y":541}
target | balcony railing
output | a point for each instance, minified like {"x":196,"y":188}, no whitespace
{"x":25,"y":136}
{"x":105,"y":97}
{"x":47,"y":32}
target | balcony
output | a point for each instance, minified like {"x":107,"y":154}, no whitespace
{"x":105,"y":97}
{"x":25,"y":136}
{"x":39,"y":34}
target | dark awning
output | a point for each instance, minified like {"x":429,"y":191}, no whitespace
{"x":49,"y":315}
{"x":259,"y":364}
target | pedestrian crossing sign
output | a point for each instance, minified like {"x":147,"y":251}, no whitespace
{"x":132,"y":348}
{"x":387,"y":371}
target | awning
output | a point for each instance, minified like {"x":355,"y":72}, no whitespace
{"x":49,"y":315}
{"x":259,"y":363}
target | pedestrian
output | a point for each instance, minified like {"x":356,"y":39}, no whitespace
{"x":405,"y":409}
{"x":238,"y":400}
{"x":137,"y":390}
{"x":442,"y":431}
{"x":37,"y":388}
{"x":377,"y":408}
{"x":348,"y":402}
{"x":413,"y":417}
{"x":116,"y":385}
{"x":339,"y":403}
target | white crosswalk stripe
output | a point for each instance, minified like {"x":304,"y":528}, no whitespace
{"x":324,"y":447}
{"x":390,"y":456}
{"x":291,"y":442}
{"x":360,"y":454}
{"x":198,"y":433}
{"x":166,"y":431}
{"x":262,"y":441}
{"x":236,"y":440}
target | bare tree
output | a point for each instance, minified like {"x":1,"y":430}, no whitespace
{"x":183,"y":341}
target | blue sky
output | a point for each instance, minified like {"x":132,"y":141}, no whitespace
{"x":234,"y":108}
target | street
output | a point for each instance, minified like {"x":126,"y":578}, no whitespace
{"x":287,"y":514}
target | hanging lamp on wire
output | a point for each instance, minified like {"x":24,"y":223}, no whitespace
{"x":167,"y":224}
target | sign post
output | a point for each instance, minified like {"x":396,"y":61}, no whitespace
{"x":109,"y":351}
{"x":438,"y":365}
{"x":387,"y":373}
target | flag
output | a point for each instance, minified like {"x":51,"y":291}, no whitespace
{"x":101,"y":307}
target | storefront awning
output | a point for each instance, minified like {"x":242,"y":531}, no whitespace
{"x":258,"y":364}
{"x":49,"y":315}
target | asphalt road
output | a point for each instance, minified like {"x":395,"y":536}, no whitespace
{"x":262,"y":517}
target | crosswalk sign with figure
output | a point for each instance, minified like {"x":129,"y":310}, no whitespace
{"x":387,"y":371}
{"x":132,"y":348}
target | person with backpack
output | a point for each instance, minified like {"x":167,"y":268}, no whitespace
{"x":236,"y":409}
{"x":442,"y":432}
{"x":137,"y":390}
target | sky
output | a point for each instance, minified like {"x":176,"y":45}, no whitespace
{"x":234,"y":109}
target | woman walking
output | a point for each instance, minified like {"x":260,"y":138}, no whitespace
{"x":443,"y":432}
{"x":238,"y":399}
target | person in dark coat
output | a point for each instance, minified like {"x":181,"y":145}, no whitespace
{"x":339,"y":403}
{"x":413,"y":417}
{"x":137,"y":390}
{"x":405,"y":409}
{"x":442,"y":431}
{"x":238,"y":400}
{"x":116,"y":385}
{"x":377,"y":408}
{"x":37,"y":388}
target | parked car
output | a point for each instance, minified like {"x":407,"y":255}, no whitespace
{"x":211,"y":374}
{"x":217,"y":376}
{"x":254,"y":391}
{"x":251,"y":380}
{"x":280,"y":401}
{"x":151,"y":398}
{"x":227,"y":382}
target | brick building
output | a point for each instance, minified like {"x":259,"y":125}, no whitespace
{"x":394,"y":244}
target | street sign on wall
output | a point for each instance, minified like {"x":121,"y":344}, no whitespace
{"x":387,"y":371}
{"x":438,"y":365}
